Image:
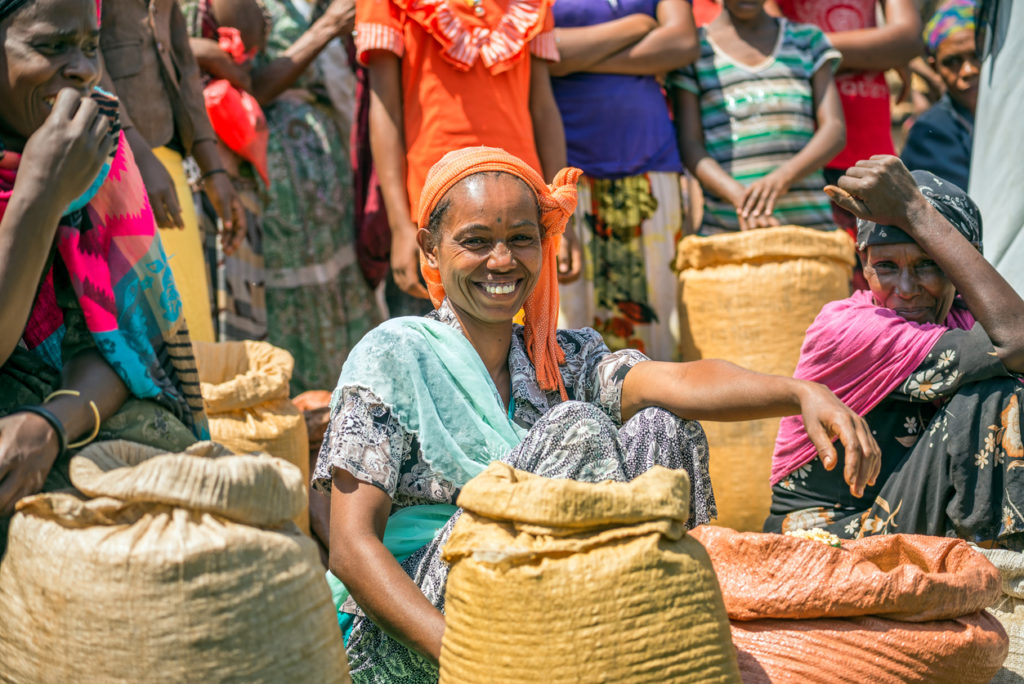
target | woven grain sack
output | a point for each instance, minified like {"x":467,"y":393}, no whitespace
{"x":245,"y":394}
{"x":908,"y":577}
{"x":1008,"y":608}
{"x":748,"y":298}
{"x":891,"y":608}
{"x":965,"y":650}
{"x":180,"y":568}
{"x":564,"y":581}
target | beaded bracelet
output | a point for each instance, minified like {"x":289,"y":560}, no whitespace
{"x":58,"y":427}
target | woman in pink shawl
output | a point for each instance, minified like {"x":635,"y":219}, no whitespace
{"x":93,"y":342}
{"x":931,"y":356}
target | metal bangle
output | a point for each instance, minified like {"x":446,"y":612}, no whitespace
{"x":95,"y":413}
{"x":54,"y":421}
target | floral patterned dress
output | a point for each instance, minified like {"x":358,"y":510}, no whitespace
{"x":952,"y":459}
{"x":582,"y":439}
{"x":318,"y":304}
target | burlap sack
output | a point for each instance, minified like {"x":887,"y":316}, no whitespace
{"x":563,"y":581}
{"x":905,"y":577}
{"x":893,"y":608}
{"x":1008,"y":608}
{"x":184,"y":568}
{"x":749,"y":298}
{"x":245,"y":394}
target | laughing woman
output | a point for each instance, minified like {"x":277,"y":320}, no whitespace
{"x":93,"y":343}
{"x":423,"y":404}
{"x":931,"y":356}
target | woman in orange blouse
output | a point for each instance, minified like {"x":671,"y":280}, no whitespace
{"x":447,"y":74}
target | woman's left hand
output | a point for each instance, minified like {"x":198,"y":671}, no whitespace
{"x":28,"y":448}
{"x":570,"y":254}
{"x":825,"y":417}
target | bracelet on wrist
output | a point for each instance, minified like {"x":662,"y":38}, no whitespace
{"x":211,"y":172}
{"x":95,"y":413}
{"x":54,"y":421}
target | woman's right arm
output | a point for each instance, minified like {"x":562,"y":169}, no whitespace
{"x":59,"y":163}
{"x":359,"y":514}
{"x":387,"y":143}
{"x":690,"y":132}
{"x":876,"y":48}
{"x":671,"y":45}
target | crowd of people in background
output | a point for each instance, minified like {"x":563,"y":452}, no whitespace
{"x":297,"y":171}
{"x":734,"y":124}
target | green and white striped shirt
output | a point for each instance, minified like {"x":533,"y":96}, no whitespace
{"x":755,"y":118}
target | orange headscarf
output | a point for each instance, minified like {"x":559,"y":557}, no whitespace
{"x":557,"y":203}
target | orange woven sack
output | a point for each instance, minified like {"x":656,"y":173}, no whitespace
{"x":865,"y":649}
{"x":892,"y":608}
{"x":905,"y":577}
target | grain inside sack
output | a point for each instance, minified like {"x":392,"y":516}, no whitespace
{"x":565,"y":581}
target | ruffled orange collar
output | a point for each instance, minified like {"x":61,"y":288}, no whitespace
{"x":494,"y":31}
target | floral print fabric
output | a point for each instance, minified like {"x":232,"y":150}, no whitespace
{"x":952,"y":461}
{"x":318,"y":303}
{"x":628,"y":228}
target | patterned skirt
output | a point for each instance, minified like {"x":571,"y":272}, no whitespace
{"x":963,"y":478}
{"x":318,"y":303}
{"x":629,"y":229}
{"x":652,"y":437}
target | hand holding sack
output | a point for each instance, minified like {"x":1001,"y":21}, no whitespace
{"x":890,"y":608}
{"x":565,"y":581}
{"x":182,"y":567}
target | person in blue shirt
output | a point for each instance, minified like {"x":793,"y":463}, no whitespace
{"x":940,"y":140}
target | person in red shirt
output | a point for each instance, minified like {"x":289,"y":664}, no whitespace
{"x":868,"y":51}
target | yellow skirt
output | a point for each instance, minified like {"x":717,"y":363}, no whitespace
{"x":185,"y":253}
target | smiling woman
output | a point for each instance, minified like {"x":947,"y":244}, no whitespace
{"x":424,"y":404}
{"x":936,"y":375}
{"x":492,"y":253}
{"x":101,"y":349}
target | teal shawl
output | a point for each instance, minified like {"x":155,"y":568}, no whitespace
{"x":436,"y":386}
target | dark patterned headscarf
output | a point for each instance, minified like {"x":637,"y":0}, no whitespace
{"x":9,"y":7}
{"x":948,"y":199}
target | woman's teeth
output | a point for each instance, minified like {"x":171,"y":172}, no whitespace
{"x":499,"y":288}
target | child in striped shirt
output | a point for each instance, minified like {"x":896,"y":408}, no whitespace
{"x":757,"y":117}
